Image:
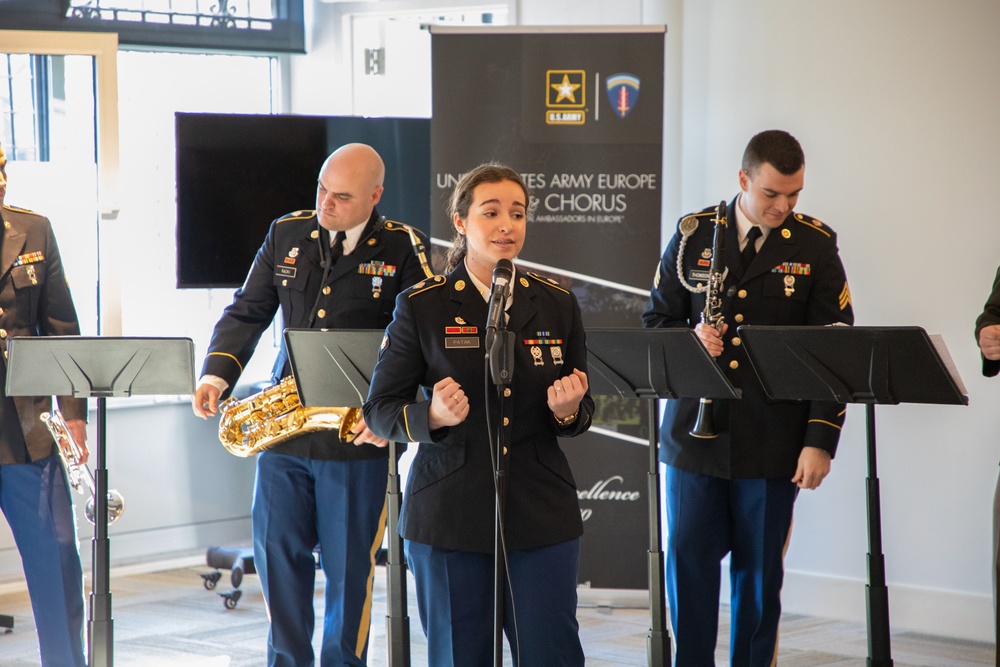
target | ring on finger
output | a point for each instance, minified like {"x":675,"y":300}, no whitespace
{"x":558,"y":388}
{"x":455,"y":396}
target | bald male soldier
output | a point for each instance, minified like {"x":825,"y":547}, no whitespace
{"x":339,"y":266}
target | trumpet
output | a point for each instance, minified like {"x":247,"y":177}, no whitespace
{"x":712,"y":315}
{"x":79,"y":475}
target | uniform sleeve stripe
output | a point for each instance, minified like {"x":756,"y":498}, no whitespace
{"x":823,"y":421}
{"x":406,"y":424}
{"x":226,"y":354}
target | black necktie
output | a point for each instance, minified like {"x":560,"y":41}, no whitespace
{"x":750,"y":249}
{"x":337,"y":247}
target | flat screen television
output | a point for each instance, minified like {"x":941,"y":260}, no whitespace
{"x":238,"y":172}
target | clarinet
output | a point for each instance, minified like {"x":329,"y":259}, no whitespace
{"x":712,"y":315}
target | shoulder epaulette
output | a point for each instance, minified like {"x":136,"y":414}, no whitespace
{"x":427,"y":284}
{"x":547,"y":281}
{"x":689,"y":222}
{"x":812,"y":223}
{"x":297,"y":215}
{"x":22,"y":210}
{"x":396,"y":226}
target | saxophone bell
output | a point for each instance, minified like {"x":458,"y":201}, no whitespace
{"x":79,"y":475}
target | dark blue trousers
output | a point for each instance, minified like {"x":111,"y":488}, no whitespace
{"x":455,"y":592}
{"x":707,"y":518}
{"x":35,"y":499}
{"x":339,"y":505}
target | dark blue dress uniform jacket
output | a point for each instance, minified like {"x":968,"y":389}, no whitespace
{"x":34,"y":301}
{"x":989,"y":317}
{"x":449,"y":500}
{"x":358,"y":293}
{"x":796,"y":278}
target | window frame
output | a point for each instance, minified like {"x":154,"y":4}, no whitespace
{"x":286,"y":36}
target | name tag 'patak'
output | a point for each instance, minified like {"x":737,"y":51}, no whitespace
{"x":458,"y":337}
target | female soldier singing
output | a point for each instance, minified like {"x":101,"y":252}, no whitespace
{"x":435,"y":343}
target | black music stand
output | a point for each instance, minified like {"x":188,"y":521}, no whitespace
{"x":83,"y":367}
{"x":867,"y":365}
{"x":652,"y":364}
{"x":334,"y":367}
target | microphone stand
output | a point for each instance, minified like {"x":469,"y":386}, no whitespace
{"x":500,"y":355}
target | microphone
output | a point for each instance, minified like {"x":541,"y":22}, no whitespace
{"x":500,"y":290}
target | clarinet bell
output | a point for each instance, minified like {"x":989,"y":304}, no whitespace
{"x":703,"y":426}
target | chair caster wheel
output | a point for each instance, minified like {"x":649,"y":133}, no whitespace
{"x":230,"y":599}
{"x":211,"y":579}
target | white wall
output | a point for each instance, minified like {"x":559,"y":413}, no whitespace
{"x":893,"y":102}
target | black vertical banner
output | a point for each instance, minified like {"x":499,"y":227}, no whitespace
{"x":578,"y":112}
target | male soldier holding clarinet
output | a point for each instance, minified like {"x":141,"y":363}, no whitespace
{"x":731,"y":490}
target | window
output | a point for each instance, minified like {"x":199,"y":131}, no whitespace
{"x":233,"y":25}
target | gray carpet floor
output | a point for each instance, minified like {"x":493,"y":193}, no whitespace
{"x":168,"y":618}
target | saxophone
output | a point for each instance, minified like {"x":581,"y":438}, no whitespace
{"x":78,"y":474}
{"x":259,"y":422}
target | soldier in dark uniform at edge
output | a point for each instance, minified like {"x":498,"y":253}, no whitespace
{"x":988,"y":339}
{"x":734,"y":493}
{"x":34,"y":492}
{"x":340,"y":266}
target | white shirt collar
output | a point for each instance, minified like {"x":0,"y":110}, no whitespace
{"x":484,"y":290}
{"x":743,"y":226}
{"x":351,"y":237}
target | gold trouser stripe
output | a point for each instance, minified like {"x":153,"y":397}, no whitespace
{"x":366,"y":617}
{"x":784,"y":550}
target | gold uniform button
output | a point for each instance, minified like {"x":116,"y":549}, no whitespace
{"x":737,"y":341}
{"x":326,"y":290}
{"x":5,"y":354}
{"x":742,"y":294}
{"x":284,"y":283}
{"x":734,"y":364}
{"x":1,"y":311}
{"x":506,"y":421}
{"x":739,"y":317}
{"x":505,"y":451}
{"x":506,"y":392}
{"x":3,"y":333}
{"x":321,"y":313}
